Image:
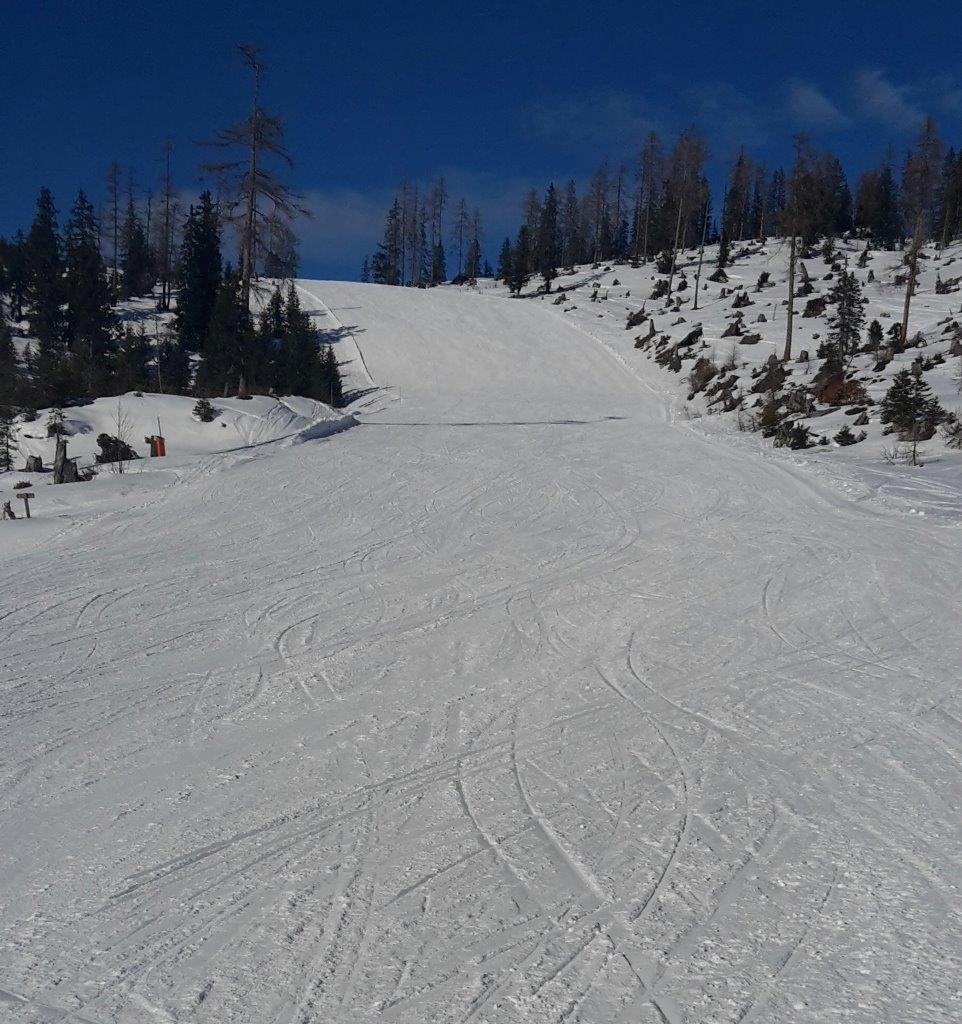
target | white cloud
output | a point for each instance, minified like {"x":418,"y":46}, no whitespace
{"x":883,"y":101}
{"x":344,"y":226}
{"x":727,"y":117}
{"x":808,"y":105}
{"x":604,"y":117}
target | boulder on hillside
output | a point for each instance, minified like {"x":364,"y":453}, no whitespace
{"x":733,"y":330}
{"x":690,"y":338}
{"x":636,"y":319}
{"x":816,"y":307}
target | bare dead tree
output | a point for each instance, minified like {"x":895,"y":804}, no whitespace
{"x":701,"y":248}
{"x":687,"y":160}
{"x":437,"y":198}
{"x":166,"y":245}
{"x":113,"y":212}
{"x":650,"y":172}
{"x":792,"y":223}
{"x":252,"y":190}
{"x":918,"y":188}
{"x":460,"y":231}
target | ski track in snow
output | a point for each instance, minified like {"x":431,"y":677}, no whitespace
{"x":522,"y":701}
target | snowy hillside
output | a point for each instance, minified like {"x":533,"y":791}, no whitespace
{"x":238,"y":424}
{"x":528,"y":699}
{"x":740,"y":324}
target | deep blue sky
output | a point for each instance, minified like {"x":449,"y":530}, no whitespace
{"x":496,"y":96}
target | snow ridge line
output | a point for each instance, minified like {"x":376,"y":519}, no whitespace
{"x":339,"y":323}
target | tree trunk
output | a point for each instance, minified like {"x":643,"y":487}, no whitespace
{"x":247,"y":250}
{"x":910,"y":284}
{"x":644,"y":255}
{"x":59,"y":461}
{"x":701,"y":257}
{"x":787,"y":354}
{"x":674,"y":251}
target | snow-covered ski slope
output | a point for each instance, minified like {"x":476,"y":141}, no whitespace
{"x":522,"y":701}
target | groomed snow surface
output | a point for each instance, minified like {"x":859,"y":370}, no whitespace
{"x":525,"y":700}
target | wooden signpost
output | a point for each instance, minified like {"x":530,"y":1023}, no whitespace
{"x":25,"y":498}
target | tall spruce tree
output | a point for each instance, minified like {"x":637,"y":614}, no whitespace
{"x":136,"y":263}
{"x":910,"y":407}
{"x":503,"y":272}
{"x":520,"y":261}
{"x":845,"y":325}
{"x":6,"y":438}
{"x":200,"y":271}
{"x":89,"y":314}
{"x":569,"y":227}
{"x":43,"y":261}
{"x":15,"y":274}
{"x":298,"y":360}
{"x":949,"y":199}
{"x":11,"y":377}
{"x":439,"y":270}
{"x":547,"y":241}
{"x":329,"y":386}
{"x":228,"y":348}
{"x":131,"y":365}
{"x":386,"y":264}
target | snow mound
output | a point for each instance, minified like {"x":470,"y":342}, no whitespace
{"x":239,"y":423}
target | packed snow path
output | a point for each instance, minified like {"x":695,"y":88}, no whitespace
{"x":519,"y":702}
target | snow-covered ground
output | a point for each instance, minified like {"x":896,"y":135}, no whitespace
{"x":528,"y":699}
{"x":237,"y":424}
{"x":599,"y":300}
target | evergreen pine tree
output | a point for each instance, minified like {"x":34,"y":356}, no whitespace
{"x":11,"y":378}
{"x":137,"y":263}
{"x":547,"y":241}
{"x":366,"y":271}
{"x":200,"y":274}
{"x":329,"y":387}
{"x":89,"y":315}
{"x":439,"y":270}
{"x":6,"y":438}
{"x":131,"y":365}
{"x":298,"y":357}
{"x":176,"y":370}
{"x":723,"y":251}
{"x":43,"y":270}
{"x":204,"y":411}
{"x":520,"y":261}
{"x":226,"y":353}
{"x":15,"y":274}
{"x":888,"y":230}
{"x":569,"y":227}
{"x":386,"y":265}
{"x":910,"y":407}
{"x":270,"y":332}
{"x":875,"y":336}
{"x":775,"y":202}
{"x":845,"y":325}
{"x":271,"y":320}
{"x":504,"y":261}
